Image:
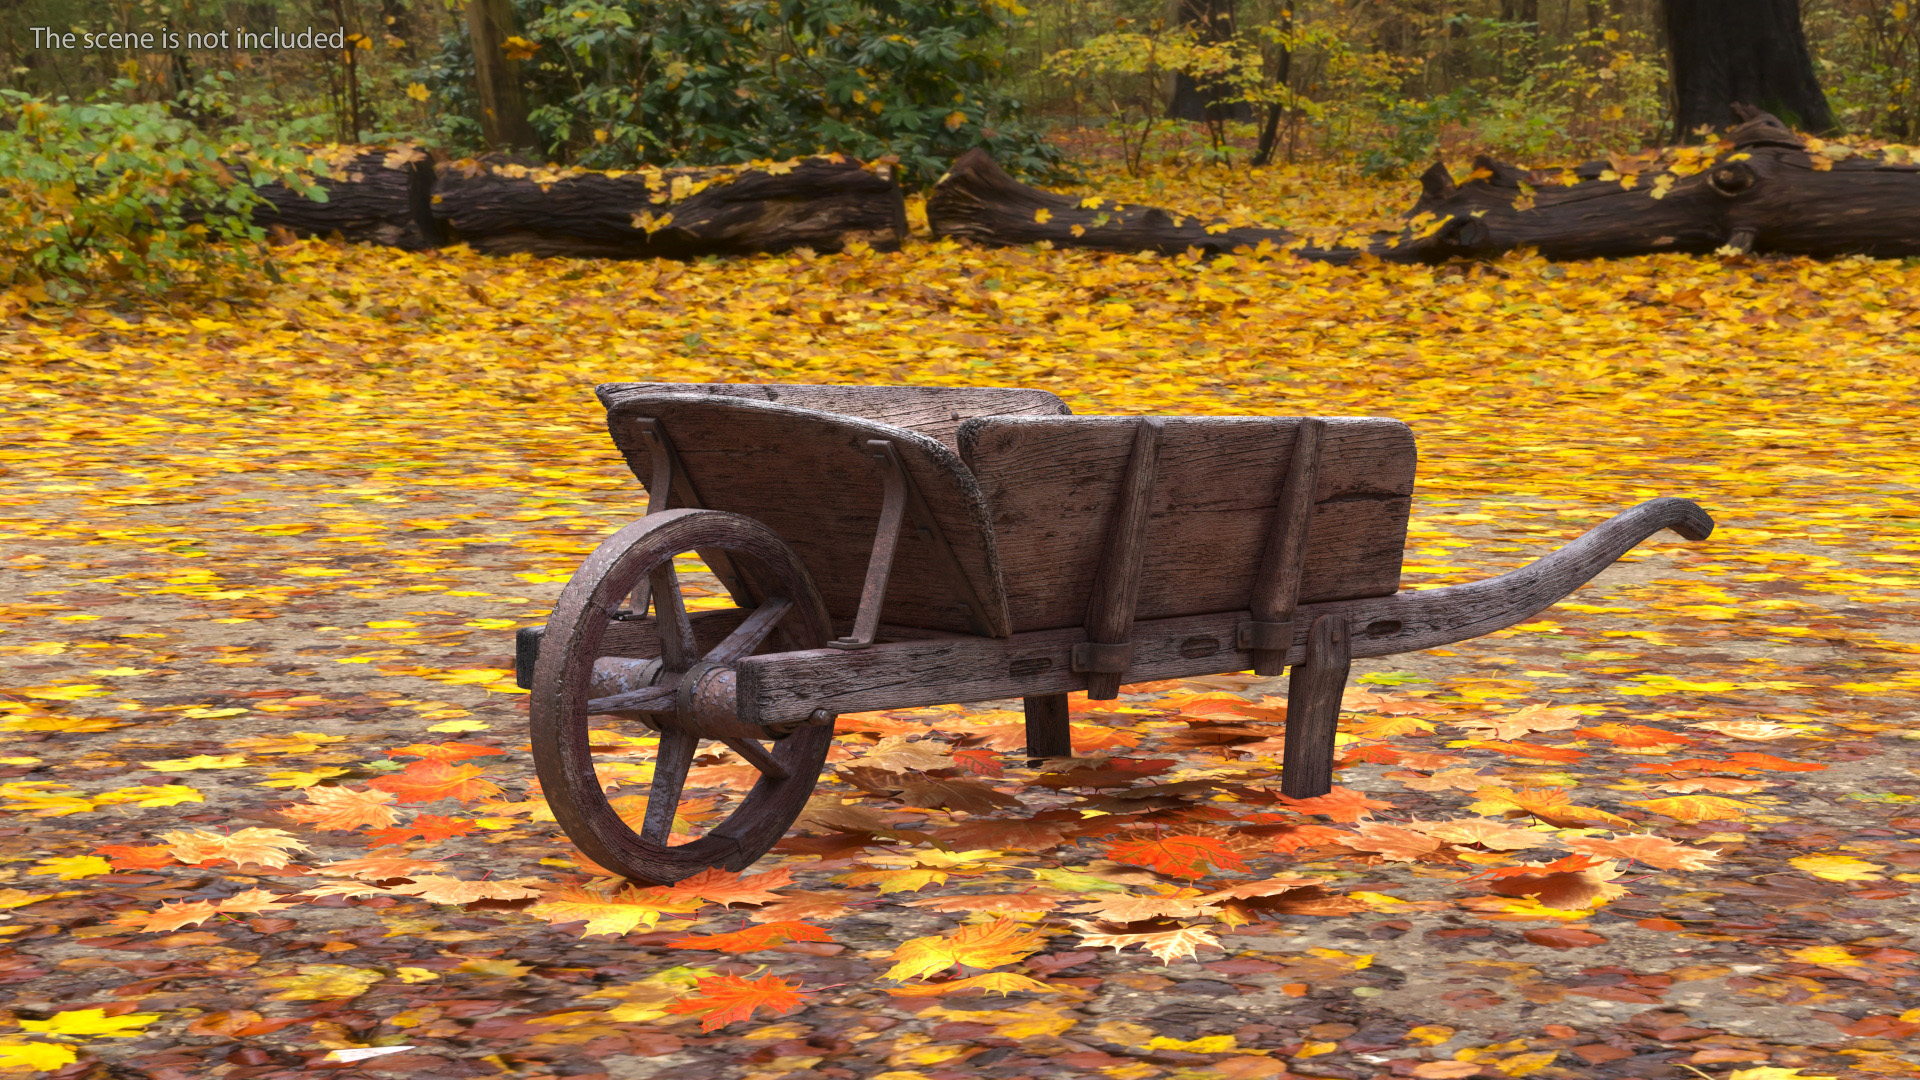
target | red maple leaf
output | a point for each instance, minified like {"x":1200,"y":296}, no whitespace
{"x":754,"y":938}
{"x":980,"y":761}
{"x":426,"y":781}
{"x":1179,"y":856}
{"x":726,"y":998}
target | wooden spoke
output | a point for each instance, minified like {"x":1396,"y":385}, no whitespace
{"x":751,"y":633}
{"x":670,"y":615}
{"x":669,"y":777}
{"x":758,"y":757}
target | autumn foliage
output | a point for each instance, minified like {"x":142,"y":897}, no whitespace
{"x":265,"y":791}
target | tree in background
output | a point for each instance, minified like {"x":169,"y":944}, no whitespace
{"x":493,"y":29}
{"x":1751,"y":52}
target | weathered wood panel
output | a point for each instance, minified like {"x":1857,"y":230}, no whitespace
{"x":1052,"y":484}
{"x":784,"y":687}
{"x":934,"y":411}
{"x":809,"y":477}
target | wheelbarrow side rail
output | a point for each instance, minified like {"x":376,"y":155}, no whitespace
{"x":785,"y":688}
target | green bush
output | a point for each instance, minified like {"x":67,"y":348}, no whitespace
{"x":619,"y":83}
{"x":105,"y":190}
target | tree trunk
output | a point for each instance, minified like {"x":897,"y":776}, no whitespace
{"x":1212,"y":22}
{"x":503,"y":109}
{"x":1521,"y":11}
{"x":1766,"y":193}
{"x":1741,"y":52}
{"x":1282,"y":78}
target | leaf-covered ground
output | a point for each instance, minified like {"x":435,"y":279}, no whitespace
{"x":265,"y":782}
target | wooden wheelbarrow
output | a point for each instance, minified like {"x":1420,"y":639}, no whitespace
{"x":902,"y":547}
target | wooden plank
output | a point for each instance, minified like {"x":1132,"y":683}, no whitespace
{"x":1276,"y":587}
{"x":786,"y":687}
{"x":808,"y":475}
{"x":934,"y":411}
{"x":1116,"y":584}
{"x":1050,"y":482}
{"x":1313,"y":709}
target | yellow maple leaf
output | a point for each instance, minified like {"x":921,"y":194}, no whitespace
{"x":1837,"y":867}
{"x":1696,"y":807}
{"x":87,"y":1023}
{"x":70,"y":867}
{"x":618,"y":913}
{"x":43,"y":1057}
{"x":987,"y":945}
{"x":318,"y":982}
{"x":198,"y":761}
{"x":295,"y":778}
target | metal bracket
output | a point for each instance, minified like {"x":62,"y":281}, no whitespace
{"x":671,"y":483}
{"x":1254,"y":636}
{"x":886,"y":539}
{"x":1093,"y":657}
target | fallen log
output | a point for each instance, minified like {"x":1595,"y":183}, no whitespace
{"x":1762,"y":189}
{"x":823,"y":203}
{"x":976,"y":200}
{"x":373,"y":196}
{"x":402,"y":198}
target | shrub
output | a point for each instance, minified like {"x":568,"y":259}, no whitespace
{"x":103,"y":189}
{"x":618,"y":83}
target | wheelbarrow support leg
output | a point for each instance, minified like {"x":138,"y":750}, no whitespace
{"x":1048,"y":733}
{"x":1314,"y":690}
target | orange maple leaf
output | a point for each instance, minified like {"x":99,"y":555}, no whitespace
{"x":1340,"y":804}
{"x":124,"y":857}
{"x":726,"y":998}
{"x":1289,"y":837}
{"x":1179,"y":856}
{"x":169,"y":917}
{"x":441,"y":889}
{"x":1524,"y":749}
{"x":1757,"y":760}
{"x":254,"y":901}
{"x":260,"y":847}
{"x":1655,"y":851}
{"x":431,"y":828}
{"x":1391,"y":842}
{"x":754,"y":938}
{"x":380,"y":868}
{"x":727,"y":887}
{"x":1633,"y":736}
{"x":447,"y":751}
{"x":428,"y":781}
{"x":342,"y":808}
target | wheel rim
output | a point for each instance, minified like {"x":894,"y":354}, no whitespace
{"x":686,"y":701}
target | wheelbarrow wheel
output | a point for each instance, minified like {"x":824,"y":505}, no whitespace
{"x":685,"y":694}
